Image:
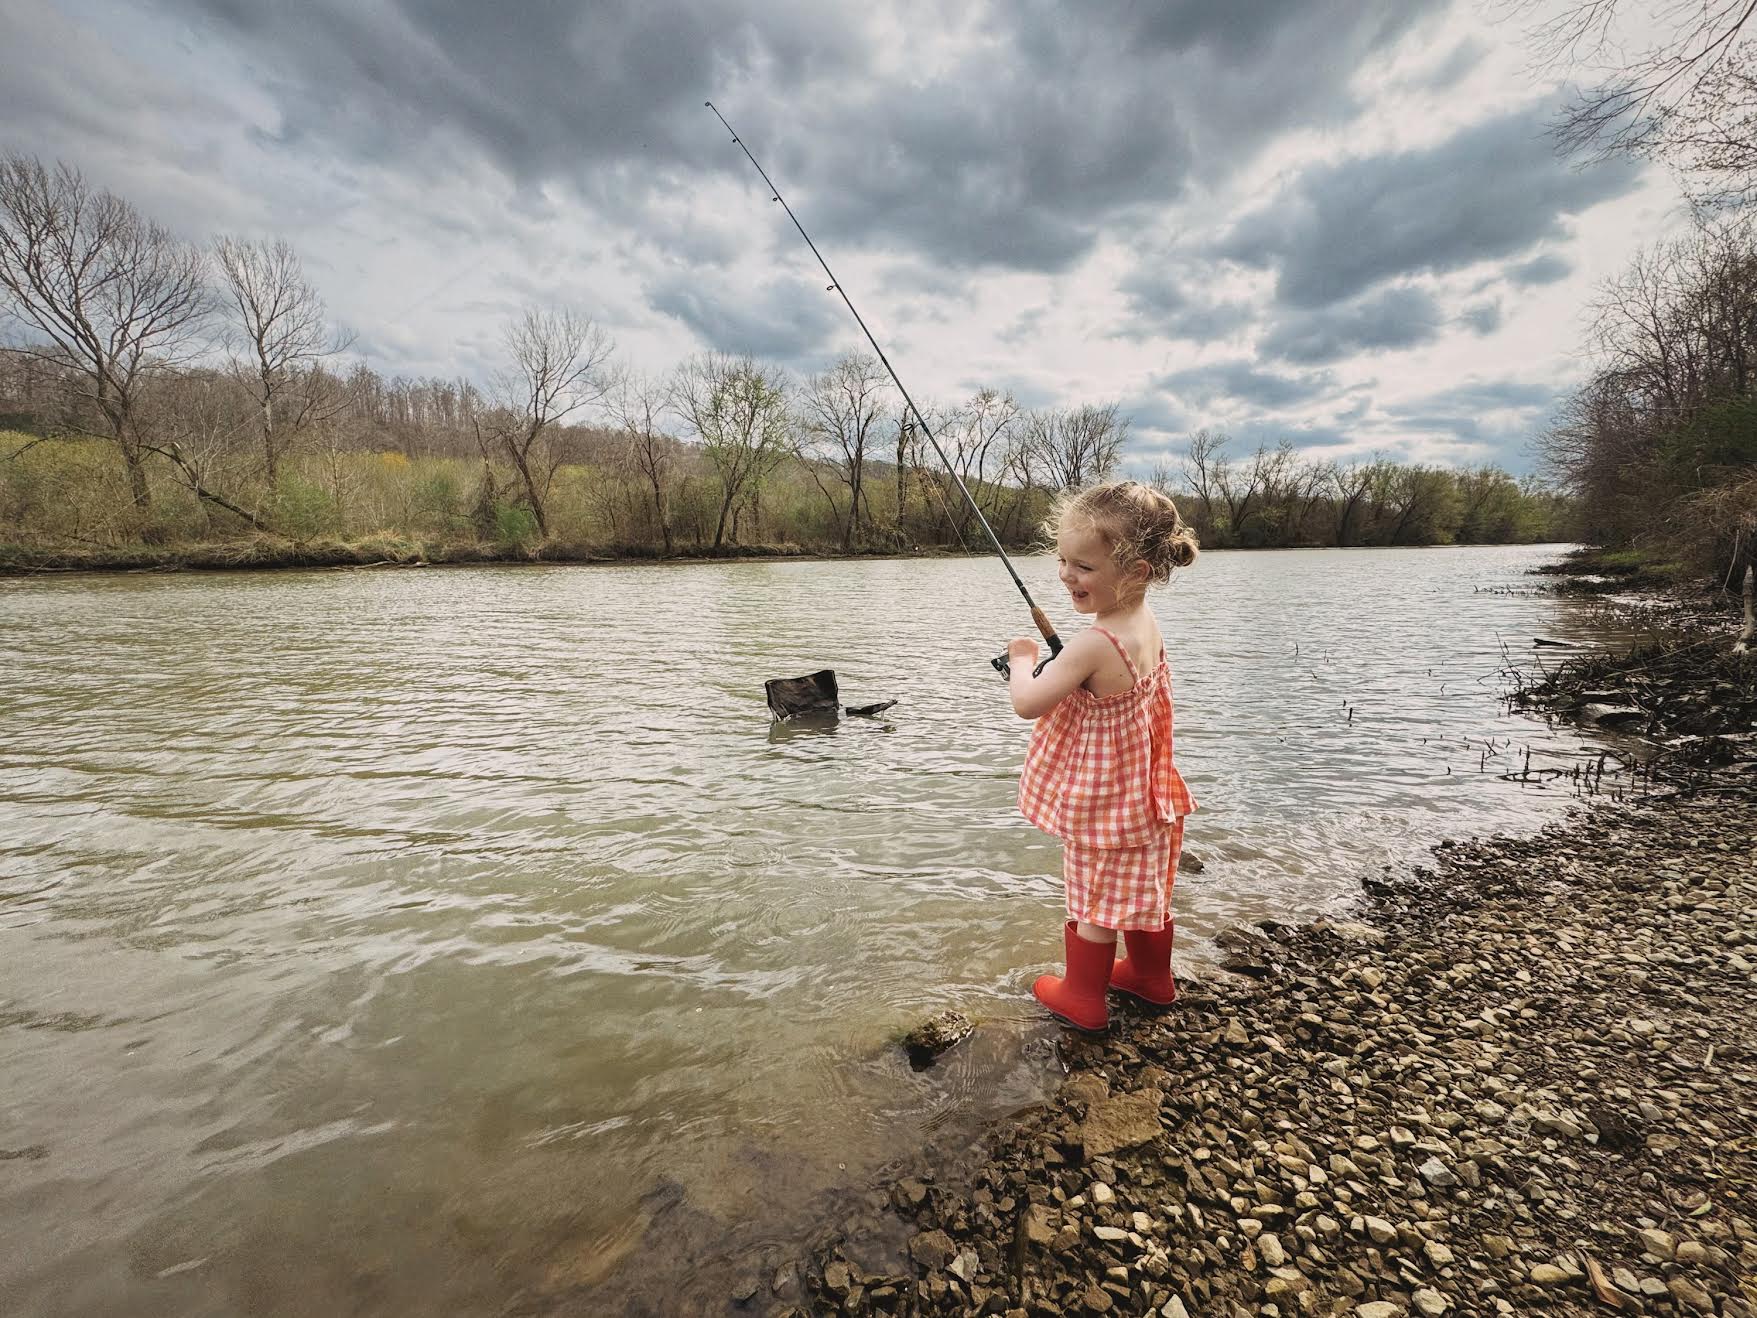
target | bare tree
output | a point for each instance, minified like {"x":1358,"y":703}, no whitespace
{"x":903,"y":428}
{"x":196,"y":419}
{"x":1018,"y":466}
{"x":279,"y":338}
{"x":1204,"y":471}
{"x":1688,"y":98}
{"x":1239,"y":488}
{"x":977,"y":446}
{"x":1422,"y":500}
{"x":737,"y":408}
{"x":1080,"y":445}
{"x":1291,"y":488}
{"x":842,"y":409}
{"x":559,"y":360}
{"x":117,"y":298}
{"x":1669,"y":410}
{"x":637,"y":402}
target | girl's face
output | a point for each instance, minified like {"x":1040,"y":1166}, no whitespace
{"x":1095,"y":581}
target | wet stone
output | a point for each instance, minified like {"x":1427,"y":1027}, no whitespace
{"x":934,"y":1036}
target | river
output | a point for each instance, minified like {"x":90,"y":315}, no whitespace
{"x":412,"y":941}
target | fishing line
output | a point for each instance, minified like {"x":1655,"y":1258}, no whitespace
{"x":1038,"y":616}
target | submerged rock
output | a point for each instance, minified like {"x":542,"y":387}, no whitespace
{"x":933,"y":1036}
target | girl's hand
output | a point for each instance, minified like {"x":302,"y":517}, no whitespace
{"x":1035,"y":696}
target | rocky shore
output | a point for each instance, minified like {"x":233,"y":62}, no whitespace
{"x":1522,"y":1081}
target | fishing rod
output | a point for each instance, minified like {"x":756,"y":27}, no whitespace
{"x":1038,"y":616}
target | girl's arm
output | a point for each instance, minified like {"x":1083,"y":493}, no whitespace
{"x":1033,"y":697}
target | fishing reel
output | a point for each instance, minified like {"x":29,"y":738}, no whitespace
{"x":1005,"y":668}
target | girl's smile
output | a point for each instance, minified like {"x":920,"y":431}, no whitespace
{"x":1094,"y":580}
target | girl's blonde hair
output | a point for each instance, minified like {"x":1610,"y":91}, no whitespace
{"x":1137,"y":521}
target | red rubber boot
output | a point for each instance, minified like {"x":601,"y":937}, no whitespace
{"x":1145,"y":973}
{"x":1078,"y":997}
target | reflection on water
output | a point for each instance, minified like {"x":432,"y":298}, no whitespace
{"x":411,"y":941}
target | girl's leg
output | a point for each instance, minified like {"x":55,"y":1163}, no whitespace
{"x":1078,"y":996}
{"x":1145,"y":973}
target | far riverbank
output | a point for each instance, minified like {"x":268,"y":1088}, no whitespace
{"x":269,"y":553}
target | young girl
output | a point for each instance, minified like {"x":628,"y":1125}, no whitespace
{"x":1099,"y":772}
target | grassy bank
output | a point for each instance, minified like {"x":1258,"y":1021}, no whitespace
{"x":267,"y":552}
{"x":1597,"y":571}
{"x":65,"y":504}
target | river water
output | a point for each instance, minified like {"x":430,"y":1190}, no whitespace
{"x":437,"y":940}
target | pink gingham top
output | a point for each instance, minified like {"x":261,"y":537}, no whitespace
{"x":1099,"y":769}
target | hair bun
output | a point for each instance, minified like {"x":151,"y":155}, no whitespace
{"x":1140,"y":522}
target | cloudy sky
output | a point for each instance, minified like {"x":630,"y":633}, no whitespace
{"x":1340,"y":223}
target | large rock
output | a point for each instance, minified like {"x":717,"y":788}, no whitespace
{"x":1688,"y":1295}
{"x":1611,"y":716}
{"x":1120,"y":1122}
{"x":933,"y":1250}
{"x":1038,"y":1224}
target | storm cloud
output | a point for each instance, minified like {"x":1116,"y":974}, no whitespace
{"x":1392,"y":318}
{"x":1160,"y":304}
{"x":1172,"y":203}
{"x":1037,"y":127}
{"x":781,"y":321}
{"x":1488,"y":192}
{"x":1242,"y":382}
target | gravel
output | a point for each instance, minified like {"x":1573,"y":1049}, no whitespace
{"x":1520,"y":1081}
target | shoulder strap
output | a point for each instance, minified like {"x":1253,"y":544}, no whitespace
{"x":1120,"y":649}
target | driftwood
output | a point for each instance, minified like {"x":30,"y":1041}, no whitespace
{"x":813,"y":696}
{"x":792,"y":697}
{"x":1689,"y":707}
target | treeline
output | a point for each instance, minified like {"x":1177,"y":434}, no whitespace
{"x":1661,"y":441}
{"x":1273,"y":497}
{"x":164,"y":394}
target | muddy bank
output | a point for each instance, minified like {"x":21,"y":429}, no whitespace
{"x":1682,"y":704}
{"x":1522,"y":1081}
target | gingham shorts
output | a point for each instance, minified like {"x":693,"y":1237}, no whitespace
{"x":1123,"y":887}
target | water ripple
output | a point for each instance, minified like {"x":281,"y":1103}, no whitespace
{"x":355,"y":916}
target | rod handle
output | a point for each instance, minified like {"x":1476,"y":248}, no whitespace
{"x":1047,"y":628}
